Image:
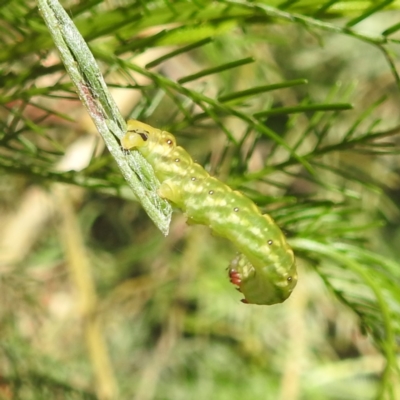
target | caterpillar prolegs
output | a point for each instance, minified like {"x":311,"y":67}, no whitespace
{"x":265,"y":269}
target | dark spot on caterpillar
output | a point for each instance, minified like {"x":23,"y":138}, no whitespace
{"x":289,"y":279}
{"x":211,"y":192}
{"x":169,"y":142}
{"x":236,"y":209}
{"x":177,"y":160}
{"x":270,"y":242}
{"x":144,"y":136}
{"x":193,"y":178}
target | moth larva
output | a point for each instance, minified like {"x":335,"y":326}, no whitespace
{"x":265,"y":269}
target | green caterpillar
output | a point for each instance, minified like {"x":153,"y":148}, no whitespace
{"x":265,"y":271}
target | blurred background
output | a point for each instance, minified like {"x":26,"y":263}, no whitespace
{"x":95,"y":303}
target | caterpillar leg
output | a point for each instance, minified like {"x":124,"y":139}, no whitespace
{"x":234,"y":277}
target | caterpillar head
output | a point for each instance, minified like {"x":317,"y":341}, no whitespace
{"x":262,"y":286}
{"x":147,"y":139}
